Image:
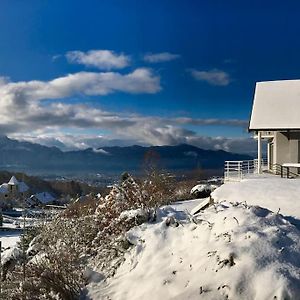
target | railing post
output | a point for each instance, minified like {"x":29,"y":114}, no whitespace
{"x":259,"y":152}
{"x":228,"y":171}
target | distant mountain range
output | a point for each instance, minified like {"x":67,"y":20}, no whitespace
{"x":29,"y":157}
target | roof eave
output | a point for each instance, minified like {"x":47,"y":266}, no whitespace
{"x":272,"y":129}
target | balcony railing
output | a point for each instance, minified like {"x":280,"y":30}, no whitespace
{"x":237,"y":170}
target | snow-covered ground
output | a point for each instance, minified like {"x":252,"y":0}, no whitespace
{"x":270,"y":191}
{"x":228,"y":250}
{"x":11,"y":234}
{"x":186,"y":205}
{"x":13,"y":223}
{"x":244,"y":246}
{"x":9,"y":238}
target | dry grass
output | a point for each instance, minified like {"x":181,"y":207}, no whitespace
{"x":89,"y":232}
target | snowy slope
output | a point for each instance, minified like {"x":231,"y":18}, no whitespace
{"x":226,"y":252}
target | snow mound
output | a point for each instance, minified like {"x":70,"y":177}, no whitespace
{"x":228,"y":251}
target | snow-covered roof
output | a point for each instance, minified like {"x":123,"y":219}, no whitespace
{"x":3,"y":188}
{"x":44,"y":197}
{"x":13,"y":181}
{"x":23,"y":187}
{"x":276,"y":105}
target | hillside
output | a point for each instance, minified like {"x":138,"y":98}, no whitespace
{"x":56,"y":187}
{"x":29,"y":157}
{"x":125,"y":246}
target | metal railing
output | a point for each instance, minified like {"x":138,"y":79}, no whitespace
{"x":278,"y":169}
{"x":238,"y":169}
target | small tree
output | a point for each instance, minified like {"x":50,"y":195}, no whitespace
{"x":159,"y":185}
{"x":124,"y":176}
{"x":151,"y":162}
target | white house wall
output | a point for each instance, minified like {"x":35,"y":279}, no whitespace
{"x":286,"y":148}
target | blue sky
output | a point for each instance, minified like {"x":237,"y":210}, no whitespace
{"x":194,"y":66}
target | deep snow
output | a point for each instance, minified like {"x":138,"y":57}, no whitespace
{"x":228,"y":250}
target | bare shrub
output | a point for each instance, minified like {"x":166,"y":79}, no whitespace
{"x":159,"y":189}
{"x":183,"y":189}
{"x":91,"y":233}
{"x":78,"y":209}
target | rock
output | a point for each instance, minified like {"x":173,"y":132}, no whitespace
{"x":202,"y":190}
{"x":171,"y":221}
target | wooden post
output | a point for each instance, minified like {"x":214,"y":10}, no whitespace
{"x":259,"y":152}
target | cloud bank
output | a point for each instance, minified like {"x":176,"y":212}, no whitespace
{"x":162,"y":136}
{"x":36,"y":110}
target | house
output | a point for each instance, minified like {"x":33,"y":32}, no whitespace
{"x":43,"y":198}
{"x":13,"y":189}
{"x":275,"y":118}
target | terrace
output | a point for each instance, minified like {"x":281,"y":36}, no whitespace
{"x":238,"y":170}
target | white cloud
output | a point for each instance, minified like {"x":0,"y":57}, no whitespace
{"x":160,"y":57}
{"x":22,"y":108}
{"x":152,"y":133}
{"x":213,"y":77}
{"x":56,"y":57}
{"x":25,"y":115}
{"x":88,"y":83}
{"x":124,"y":129}
{"x":101,"y":151}
{"x":101,"y":59}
